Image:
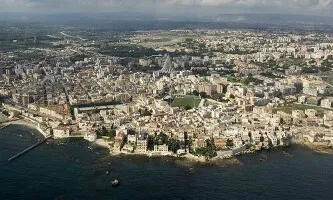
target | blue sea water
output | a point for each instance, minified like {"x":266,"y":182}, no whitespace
{"x":69,"y":170}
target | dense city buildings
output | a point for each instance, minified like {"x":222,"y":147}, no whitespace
{"x":203,"y":94}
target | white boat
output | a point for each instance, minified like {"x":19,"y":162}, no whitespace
{"x":115,"y":183}
{"x":191,"y":170}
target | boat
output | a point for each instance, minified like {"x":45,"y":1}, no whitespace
{"x":107,"y":173}
{"x":115,"y":183}
{"x":287,"y":154}
{"x":20,"y":135}
{"x":191,"y":170}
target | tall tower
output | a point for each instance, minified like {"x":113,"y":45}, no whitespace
{"x":168,"y":65}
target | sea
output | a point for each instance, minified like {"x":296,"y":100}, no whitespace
{"x":74,"y":169}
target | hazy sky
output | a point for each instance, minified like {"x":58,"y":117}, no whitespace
{"x":179,"y":7}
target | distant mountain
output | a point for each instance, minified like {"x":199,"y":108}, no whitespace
{"x":274,"y":19}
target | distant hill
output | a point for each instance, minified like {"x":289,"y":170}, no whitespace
{"x":274,"y":19}
{"x":133,"y":21}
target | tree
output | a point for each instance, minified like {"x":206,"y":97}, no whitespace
{"x":262,"y":139}
{"x":203,"y":94}
{"x":209,"y":151}
{"x":245,"y":81}
{"x":99,"y":132}
{"x":150,"y":143}
{"x":312,"y":61}
{"x":278,"y":142}
{"x":174,"y":145}
{"x":145,"y":112}
{"x":196,"y":93}
{"x":104,"y":131}
{"x":187,"y":107}
{"x":111,"y":134}
{"x":161,"y":138}
{"x":78,"y":57}
{"x":5,"y":112}
{"x":230,"y":143}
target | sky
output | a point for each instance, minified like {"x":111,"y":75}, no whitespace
{"x":173,"y":7}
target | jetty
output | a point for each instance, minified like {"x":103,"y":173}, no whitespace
{"x":28,"y":149}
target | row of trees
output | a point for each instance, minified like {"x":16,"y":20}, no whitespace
{"x":201,"y":94}
{"x":251,"y":79}
{"x":209,"y":151}
{"x":133,"y":51}
{"x":145,"y":112}
{"x":78,"y":57}
{"x":104,"y":132}
{"x":161,"y":138}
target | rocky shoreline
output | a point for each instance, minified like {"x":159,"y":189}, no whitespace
{"x":318,"y":147}
{"x":189,"y":159}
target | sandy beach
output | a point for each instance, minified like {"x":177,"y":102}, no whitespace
{"x":27,"y":124}
{"x":102,"y":143}
{"x":22,"y":122}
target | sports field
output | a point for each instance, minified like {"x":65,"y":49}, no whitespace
{"x":182,"y":101}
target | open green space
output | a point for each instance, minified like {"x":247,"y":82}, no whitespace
{"x":126,"y":50}
{"x":186,"y":101}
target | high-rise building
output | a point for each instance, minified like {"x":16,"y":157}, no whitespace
{"x":168,"y":65}
{"x":142,"y":143}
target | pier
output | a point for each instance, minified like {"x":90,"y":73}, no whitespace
{"x":28,"y":149}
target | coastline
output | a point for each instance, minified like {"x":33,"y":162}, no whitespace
{"x":102,"y":143}
{"x":187,"y":159}
{"x":184,"y":159}
{"x":318,"y":147}
{"x":25,"y":123}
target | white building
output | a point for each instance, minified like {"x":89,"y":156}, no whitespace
{"x":161,"y":148}
{"x":142,"y":144}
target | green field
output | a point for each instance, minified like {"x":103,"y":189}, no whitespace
{"x":290,"y":108}
{"x":182,"y":101}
